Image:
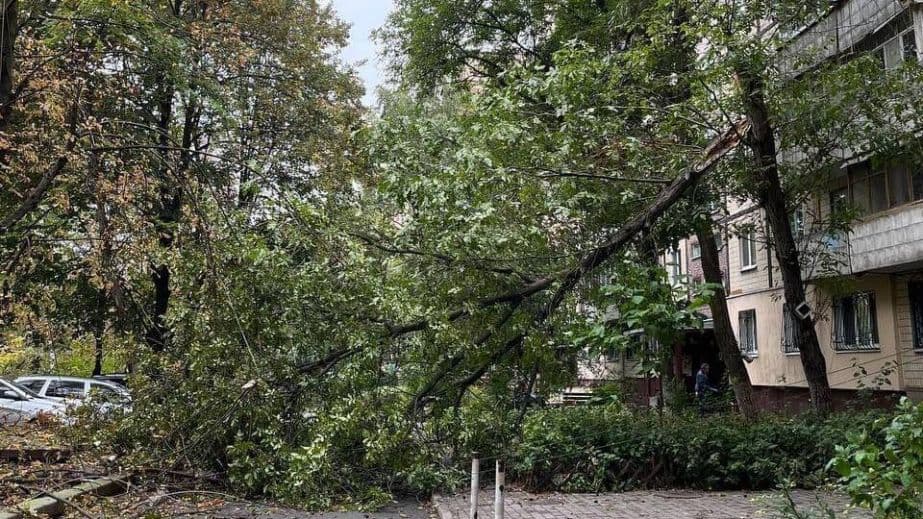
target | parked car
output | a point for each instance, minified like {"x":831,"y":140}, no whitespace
{"x":116,"y":378}
{"x":76,"y":391}
{"x":18,"y":404}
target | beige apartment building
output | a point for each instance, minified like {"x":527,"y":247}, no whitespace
{"x":865,"y":286}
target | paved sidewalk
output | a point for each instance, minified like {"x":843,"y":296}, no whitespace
{"x":408,"y":509}
{"x":667,"y":504}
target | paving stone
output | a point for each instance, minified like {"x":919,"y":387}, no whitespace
{"x":666,"y":504}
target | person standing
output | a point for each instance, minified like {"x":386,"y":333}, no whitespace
{"x":702,"y":386}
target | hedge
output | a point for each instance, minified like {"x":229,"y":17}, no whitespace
{"x":602,"y":448}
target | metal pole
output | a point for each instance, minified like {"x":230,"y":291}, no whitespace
{"x":498,"y":493}
{"x":475,"y":484}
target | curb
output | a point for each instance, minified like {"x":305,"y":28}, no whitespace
{"x":50,"y":506}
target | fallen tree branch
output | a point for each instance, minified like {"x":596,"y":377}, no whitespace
{"x":717,"y":149}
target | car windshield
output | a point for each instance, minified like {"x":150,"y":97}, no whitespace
{"x":6,"y":384}
{"x":26,"y":390}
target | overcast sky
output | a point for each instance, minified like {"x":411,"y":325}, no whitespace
{"x":364,"y":16}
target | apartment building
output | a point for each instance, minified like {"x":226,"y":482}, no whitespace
{"x":865,"y":287}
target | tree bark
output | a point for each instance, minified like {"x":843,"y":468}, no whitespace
{"x":728,"y":348}
{"x":768,"y":189}
{"x":99,"y":329}
{"x":157,"y":334}
{"x":9,"y":28}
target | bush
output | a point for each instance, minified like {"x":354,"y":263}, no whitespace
{"x":606,"y":448}
{"x":882,"y":467}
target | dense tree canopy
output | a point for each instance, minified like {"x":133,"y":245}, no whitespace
{"x":192,"y":191}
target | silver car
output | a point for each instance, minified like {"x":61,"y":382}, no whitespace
{"x":19,"y":404}
{"x":75,"y":391}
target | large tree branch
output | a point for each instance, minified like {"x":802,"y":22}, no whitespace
{"x":37,"y":194}
{"x":714,"y":152}
{"x":448,"y":365}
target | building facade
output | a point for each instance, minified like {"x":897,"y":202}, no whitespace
{"x":865,"y":286}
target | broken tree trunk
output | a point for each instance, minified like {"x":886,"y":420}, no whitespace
{"x":768,"y":189}
{"x":724,"y":334}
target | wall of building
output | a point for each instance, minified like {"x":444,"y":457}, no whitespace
{"x":846,"y":24}
{"x":773,"y":367}
{"x":887,"y":239}
{"x":911,"y":360}
{"x":745,"y":281}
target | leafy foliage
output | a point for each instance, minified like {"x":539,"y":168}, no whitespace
{"x":882,"y":466}
{"x":600,"y":448}
{"x":328,"y":305}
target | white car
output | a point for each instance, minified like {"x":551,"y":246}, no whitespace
{"x":19,"y":404}
{"x":75,"y":391}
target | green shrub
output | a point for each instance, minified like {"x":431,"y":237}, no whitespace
{"x":882,"y":466}
{"x":606,"y":448}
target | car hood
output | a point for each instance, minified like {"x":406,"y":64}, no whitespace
{"x":33,"y":404}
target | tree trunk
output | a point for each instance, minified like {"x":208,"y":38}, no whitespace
{"x":768,"y":189}
{"x":157,"y":335}
{"x":724,"y":333}
{"x":99,"y":329}
{"x":9,"y":28}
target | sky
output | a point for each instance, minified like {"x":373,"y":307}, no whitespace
{"x":364,"y":16}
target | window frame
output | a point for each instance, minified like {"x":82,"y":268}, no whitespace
{"x":789,"y":331}
{"x":915,"y":300}
{"x":674,"y":266}
{"x":881,"y":51}
{"x":749,"y":349}
{"x":693,"y":248}
{"x":749,"y":239}
{"x":883,"y":176}
{"x":842,"y":336}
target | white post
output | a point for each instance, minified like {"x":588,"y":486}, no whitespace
{"x":498,"y":493}
{"x":475,"y":484}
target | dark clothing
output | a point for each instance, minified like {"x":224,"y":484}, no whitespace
{"x":702,"y":385}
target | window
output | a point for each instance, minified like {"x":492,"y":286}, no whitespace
{"x":674,"y":266}
{"x":915,"y":291}
{"x":839,"y":199}
{"x":103,"y":390}
{"x":748,"y":251}
{"x":899,"y":188}
{"x":696,"y":250}
{"x":868,"y":188}
{"x":65,"y":389}
{"x":894,"y":52}
{"x":719,"y":240}
{"x":747,"y":332}
{"x":874,"y":189}
{"x":32,"y":385}
{"x":855,"y":326}
{"x":797,"y":222}
{"x":893,"y":44}
{"x":790,"y":334}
